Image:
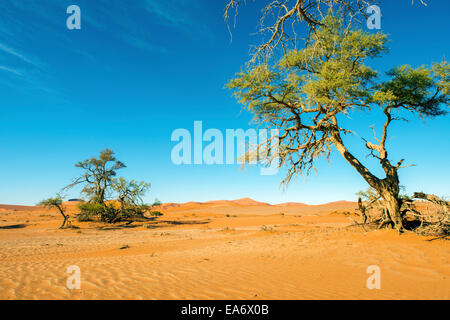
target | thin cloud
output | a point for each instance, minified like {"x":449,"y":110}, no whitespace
{"x":142,"y":44}
{"x":177,"y":14}
{"x":165,"y":13}
{"x":128,"y":22}
{"x":16,"y":72}
{"x":13,"y":52}
{"x":120,"y":17}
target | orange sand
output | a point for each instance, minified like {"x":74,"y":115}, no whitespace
{"x":196,"y":251}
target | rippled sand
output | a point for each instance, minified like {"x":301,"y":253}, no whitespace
{"x":197,"y":252}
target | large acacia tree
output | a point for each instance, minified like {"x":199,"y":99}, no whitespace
{"x":307,"y":92}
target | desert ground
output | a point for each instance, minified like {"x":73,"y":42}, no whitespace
{"x":238,"y":249}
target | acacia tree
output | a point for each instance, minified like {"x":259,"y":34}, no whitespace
{"x":98,"y":175}
{"x":307,"y":92}
{"x":57,"y":202}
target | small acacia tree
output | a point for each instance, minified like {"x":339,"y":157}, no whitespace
{"x":57,"y":202}
{"x":307,"y":92}
{"x":98,"y":175}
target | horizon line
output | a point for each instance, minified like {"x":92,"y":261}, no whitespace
{"x":208,"y":201}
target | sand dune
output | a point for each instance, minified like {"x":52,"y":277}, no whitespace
{"x":8,"y":207}
{"x":218,"y":250}
{"x":291,"y":204}
{"x":247,"y":203}
{"x":215,"y":203}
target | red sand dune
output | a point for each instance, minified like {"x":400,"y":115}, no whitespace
{"x":249,"y":202}
{"x":291,"y":204}
{"x":245,"y":202}
{"x":8,"y":207}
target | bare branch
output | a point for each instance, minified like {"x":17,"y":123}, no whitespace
{"x":277,"y":14}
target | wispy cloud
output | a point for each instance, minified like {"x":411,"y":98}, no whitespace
{"x":31,"y":32}
{"x":141,"y":43}
{"x":178,"y":14}
{"x":167,"y":13}
{"x":14,"y":53}
{"x":16,"y":72}
{"x":126,"y":21}
{"x":23,"y":71}
{"x":22,"y":66}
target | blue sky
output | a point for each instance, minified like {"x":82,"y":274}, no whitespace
{"x":138,"y":70}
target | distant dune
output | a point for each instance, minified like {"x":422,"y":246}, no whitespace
{"x":73,"y":202}
{"x":339,"y":202}
{"x":291,"y":204}
{"x":243,"y":206}
{"x":8,"y":207}
{"x":250,"y":206}
{"x":246,"y":202}
{"x":249,"y":202}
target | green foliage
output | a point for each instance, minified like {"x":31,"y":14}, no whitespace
{"x":156,"y":214}
{"x":134,"y":211}
{"x":424,"y":90}
{"x":266,"y":228}
{"x":52,"y":202}
{"x":369,"y":195}
{"x":329,"y":72}
{"x":156,"y":203}
{"x":99,"y":184}
{"x":84,"y":217}
{"x":306,"y":92}
{"x":130,"y":193}
{"x":106,"y":212}
{"x":57,"y":202}
{"x":90,"y":208}
{"x":109,"y":213}
{"x":88,"y":211}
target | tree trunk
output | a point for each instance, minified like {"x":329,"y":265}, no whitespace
{"x":392,"y":204}
{"x":362,"y":209}
{"x":66,"y":217}
{"x":387,"y":188}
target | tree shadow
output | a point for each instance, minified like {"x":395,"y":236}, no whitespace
{"x":14,"y":226}
{"x":443,"y":237}
{"x":175,"y":222}
{"x":124,"y":226}
{"x":411,"y":224}
{"x":152,"y":223}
